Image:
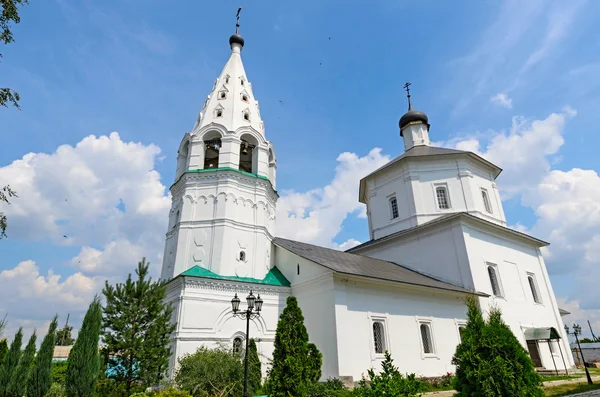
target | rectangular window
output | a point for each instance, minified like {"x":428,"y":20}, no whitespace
{"x":494,"y":279}
{"x":551,"y":346}
{"x":378,"y":337}
{"x":426,"y":338}
{"x":534,"y":289}
{"x":441,"y":194}
{"x":461,"y":329}
{"x":394,"y":207}
{"x":486,"y":201}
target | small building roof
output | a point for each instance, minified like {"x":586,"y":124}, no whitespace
{"x":273,"y":277}
{"x":563,"y":312}
{"x":542,"y":333}
{"x":61,"y":352}
{"x":364,"y":266}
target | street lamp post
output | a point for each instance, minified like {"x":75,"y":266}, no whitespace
{"x":576,"y":332}
{"x":253,"y":311}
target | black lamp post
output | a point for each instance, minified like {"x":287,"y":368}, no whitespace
{"x":253,"y":311}
{"x":577,"y":332}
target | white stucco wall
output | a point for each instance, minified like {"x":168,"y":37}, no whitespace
{"x":402,"y":308}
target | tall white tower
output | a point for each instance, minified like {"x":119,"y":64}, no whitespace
{"x":223,"y":211}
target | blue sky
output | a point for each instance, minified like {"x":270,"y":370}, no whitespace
{"x":518,"y":83}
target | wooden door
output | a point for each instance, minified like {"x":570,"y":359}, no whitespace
{"x":534,"y":353}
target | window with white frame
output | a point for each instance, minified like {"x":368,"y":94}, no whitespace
{"x":441,"y":194}
{"x":394,"y":207}
{"x":237,"y":345}
{"x":551,"y":346}
{"x":426,"y":338}
{"x":379,"y":337}
{"x":494,"y":279}
{"x":534,"y":289}
{"x":461,"y":329}
{"x":486,"y":201}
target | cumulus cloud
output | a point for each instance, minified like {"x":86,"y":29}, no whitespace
{"x":316,"y":216}
{"x":502,"y":99}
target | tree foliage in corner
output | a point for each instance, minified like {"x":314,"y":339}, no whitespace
{"x":18,"y":381}
{"x":136,"y":329}
{"x":40,"y":379}
{"x":9,"y":14}
{"x":295,"y":365}
{"x":254,"y":368}
{"x":64,"y":336}
{"x":83,"y":364}
{"x":490,"y":361}
{"x":11,"y":360}
{"x":5,"y":194}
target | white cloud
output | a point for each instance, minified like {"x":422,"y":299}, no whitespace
{"x":580,"y":316}
{"x":316,"y":216}
{"x":501,"y":99}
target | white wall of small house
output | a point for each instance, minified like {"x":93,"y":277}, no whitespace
{"x":402,"y":309}
{"x":413,"y":181}
{"x":515,"y":261}
{"x":204,"y":316}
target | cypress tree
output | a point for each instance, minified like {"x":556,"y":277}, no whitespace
{"x":294,"y":366}
{"x":254,"y":368}
{"x":40,"y":379}
{"x":3,"y":350}
{"x":83,"y":365}
{"x":11,"y":360}
{"x":18,"y":381}
{"x":136,"y":329}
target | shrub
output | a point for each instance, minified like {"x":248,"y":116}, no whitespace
{"x":333,"y":387}
{"x":254,"y":369}
{"x":490,"y":361}
{"x":210,"y":372}
{"x":389,"y":382}
{"x":56,"y":390}
{"x":59,"y":372}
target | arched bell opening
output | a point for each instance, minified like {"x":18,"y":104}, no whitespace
{"x":248,"y":154}
{"x":212,"y":148}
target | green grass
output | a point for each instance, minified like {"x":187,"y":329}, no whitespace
{"x":567,"y":390}
{"x":550,"y":378}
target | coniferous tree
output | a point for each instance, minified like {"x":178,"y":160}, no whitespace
{"x":18,"y":380}
{"x":40,"y":378}
{"x":294,"y":362}
{"x":3,"y":350}
{"x":83,"y":365}
{"x":11,"y":360}
{"x":64,"y":336}
{"x":136,"y":329}
{"x":254,"y":368}
{"x":490,"y":361}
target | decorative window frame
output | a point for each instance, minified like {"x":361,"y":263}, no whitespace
{"x":389,"y":199}
{"x":487,"y":202}
{"x":245,"y":94}
{"x":498,"y":279}
{"x":246,"y":112}
{"x":459,"y":323}
{"x":444,"y":185}
{"x":218,"y":108}
{"x":227,"y":77}
{"x":537,"y":289}
{"x":429,"y":322}
{"x":380,"y":318}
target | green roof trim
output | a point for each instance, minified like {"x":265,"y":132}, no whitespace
{"x":227,"y":169}
{"x":274,"y":277}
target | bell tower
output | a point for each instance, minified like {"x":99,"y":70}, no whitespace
{"x":222,"y":215}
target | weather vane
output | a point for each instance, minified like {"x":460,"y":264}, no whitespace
{"x":237,"y":23}
{"x":407,"y":88}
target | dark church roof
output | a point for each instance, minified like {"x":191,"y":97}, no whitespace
{"x":364,"y":266}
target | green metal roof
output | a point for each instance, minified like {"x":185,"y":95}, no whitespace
{"x":274,"y":277}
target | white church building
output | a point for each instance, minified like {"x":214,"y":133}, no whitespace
{"x":437,"y":234}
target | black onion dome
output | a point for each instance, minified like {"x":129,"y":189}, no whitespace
{"x":413,"y":116}
{"x":236,"y":38}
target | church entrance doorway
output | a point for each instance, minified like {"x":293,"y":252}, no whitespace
{"x":534,"y":352}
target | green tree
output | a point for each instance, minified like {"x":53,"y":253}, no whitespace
{"x":5,"y":194}
{"x":40,"y":379}
{"x":490,"y":361}
{"x":18,"y":381}
{"x":3,"y":322}
{"x":59,"y":372}
{"x":3,"y":350}
{"x":211,"y":372}
{"x":389,"y":382}
{"x":294,"y":365}
{"x":254,"y":368}
{"x":64,"y":336}
{"x":136,"y":329}
{"x":11,"y":360}
{"x":9,"y":14}
{"x":84,"y":360}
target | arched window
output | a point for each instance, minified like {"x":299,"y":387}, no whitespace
{"x":441,"y":194}
{"x":248,"y":154}
{"x":378,"y":337}
{"x":426,"y":338}
{"x":212,"y":146}
{"x":244,"y":97}
{"x":246,"y":116}
{"x":237,"y":345}
{"x":242,"y":256}
{"x":222,"y":95}
{"x":533,"y":287}
{"x":394,"y":207}
{"x":486,"y":201}
{"x":493,"y":274}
